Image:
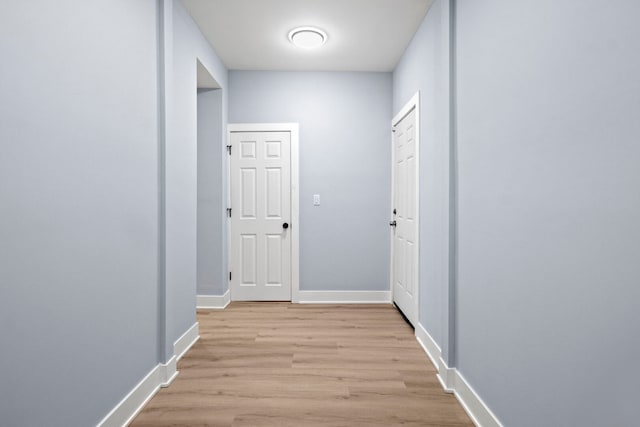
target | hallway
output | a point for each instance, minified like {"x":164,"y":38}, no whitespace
{"x":279,"y":364}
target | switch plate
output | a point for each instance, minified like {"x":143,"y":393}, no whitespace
{"x":316,"y":200}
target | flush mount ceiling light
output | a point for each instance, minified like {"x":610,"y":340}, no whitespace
{"x":307,"y":37}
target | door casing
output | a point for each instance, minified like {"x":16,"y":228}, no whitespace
{"x":414,"y":103}
{"x":293,"y":129}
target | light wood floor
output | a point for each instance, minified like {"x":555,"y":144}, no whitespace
{"x":280,"y":364}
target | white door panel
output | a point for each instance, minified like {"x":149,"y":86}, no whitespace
{"x":261,"y":194}
{"x":404,"y":234}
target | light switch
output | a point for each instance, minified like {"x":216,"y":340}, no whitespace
{"x":316,"y":200}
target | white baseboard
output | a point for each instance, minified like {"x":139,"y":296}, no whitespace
{"x":214,"y":301}
{"x":453,"y":382}
{"x":446,"y":376}
{"x":428,"y":344}
{"x":128,"y":408}
{"x":343,"y":297}
{"x":162,"y":375}
{"x":187,"y":340}
{"x":479,"y":412}
{"x":168,"y":371}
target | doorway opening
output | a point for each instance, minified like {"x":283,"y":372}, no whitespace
{"x":211,"y":224}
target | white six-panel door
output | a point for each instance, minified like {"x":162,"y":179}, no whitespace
{"x":260,"y":171}
{"x":404,"y":218}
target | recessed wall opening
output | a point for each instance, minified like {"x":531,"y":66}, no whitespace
{"x":211,"y":270}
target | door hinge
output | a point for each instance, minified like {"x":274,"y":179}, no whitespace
{"x":229,"y":149}
{"x":229,"y":212}
{"x":229,"y":275}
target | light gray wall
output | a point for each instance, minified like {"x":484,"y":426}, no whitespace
{"x":82,"y":306}
{"x":188,"y":46}
{"x":549,"y":237}
{"x":78,"y":207}
{"x":344,"y":156}
{"x":424,"y":67}
{"x":211,"y":200}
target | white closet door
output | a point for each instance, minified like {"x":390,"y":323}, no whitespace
{"x":404,"y":232}
{"x":260,"y":216}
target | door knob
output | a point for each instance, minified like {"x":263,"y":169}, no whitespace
{"x":285,"y":225}
{"x":393,"y":223}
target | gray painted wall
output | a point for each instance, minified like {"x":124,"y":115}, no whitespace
{"x":81,"y":301}
{"x":345,"y":148}
{"x":78,"y":208}
{"x":549,"y":237}
{"x":424,"y":67}
{"x":211,"y":199}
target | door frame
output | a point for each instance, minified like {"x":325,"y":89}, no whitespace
{"x":293,"y":129}
{"x":414,"y":103}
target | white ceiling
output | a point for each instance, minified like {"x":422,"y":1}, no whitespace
{"x":363,"y":35}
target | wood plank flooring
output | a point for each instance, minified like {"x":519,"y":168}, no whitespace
{"x":281,"y":364}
